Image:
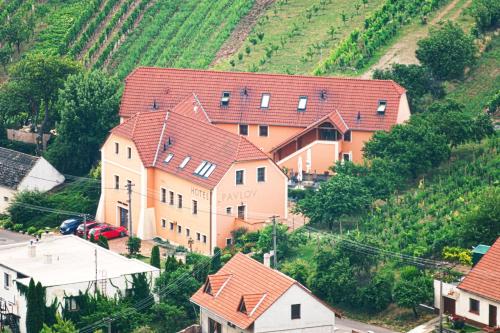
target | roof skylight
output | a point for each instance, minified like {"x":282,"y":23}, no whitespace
{"x":224,"y":101}
{"x":382,"y":104}
{"x":302,"y":103}
{"x":169,"y":157}
{"x":184,"y":162}
{"x":264,"y":102}
{"x":205,"y":169}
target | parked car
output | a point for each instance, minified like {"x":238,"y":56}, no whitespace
{"x":69,"y":226}
{"x":89,"y":224}
{"x":108,"y":231}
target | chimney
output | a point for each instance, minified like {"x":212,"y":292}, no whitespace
{"x":32,"y":250}
{"x":267,"y":260}
{"x":47,"y":259}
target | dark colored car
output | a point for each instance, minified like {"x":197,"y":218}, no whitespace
{"x":108,"y":231}
{"x":69,"y":226}
{"x":90,"y":225}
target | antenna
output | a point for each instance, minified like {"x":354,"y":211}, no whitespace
{"x":358,"y":118}
{"x":322,"y":95}
{"x":244,"y":91}
{"x":155,"y":105}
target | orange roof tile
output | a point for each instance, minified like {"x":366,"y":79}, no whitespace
{"x":160,"y":133}
{"x":484,"y":278}
{"x":253,"y":283}
{"x":168,"y":87}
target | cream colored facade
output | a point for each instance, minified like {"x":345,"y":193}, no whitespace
{"x":163,"y":204}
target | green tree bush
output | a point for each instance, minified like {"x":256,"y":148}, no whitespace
{"x":133,"y":245}
{"x":413,"y":288}
{"x":102,"y":242}
{"x":155,"y":257}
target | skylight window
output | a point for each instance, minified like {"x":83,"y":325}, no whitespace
{"x":205,"y":169}
{"x":169,"y":157}
{"x":224,"y":101}
{"x":302,"y":103}
{"x":184,"y":162}
{"x":264,"y":102}
{"x":382,"y":104}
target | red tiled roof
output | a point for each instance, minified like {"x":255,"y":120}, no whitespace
{"x":152,"y":131}
{"x":484,"y":278}
{"x":191,"y":107}
{"x":168,"y":87}
{"x":253,"y":283}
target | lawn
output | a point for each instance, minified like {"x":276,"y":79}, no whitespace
{"x":301,"y":41}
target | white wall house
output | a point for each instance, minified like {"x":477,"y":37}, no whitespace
{"x":65,"y":266}
{"x":23,"y":172}
{"x":247,"y":296}
{"x":477,"y":297}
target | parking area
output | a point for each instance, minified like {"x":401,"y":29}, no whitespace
{"x":10,"y":237}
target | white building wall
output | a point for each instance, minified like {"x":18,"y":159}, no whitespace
{"x":403,"y":110}
{"x":462,"y":303}
{"x":6,"y":197}
{"x":315,"y":317}
{"x":42,"y":177}
{"x":205,"y":315}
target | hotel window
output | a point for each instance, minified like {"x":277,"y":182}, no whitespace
{"x":71,"y":304}
{"x":263,"y":130}
{"x":241,"y":212}
{"x":205,"y":239}
{"x":198,"y":236}
{"x":243,"y":129}
{"x":117,"y":148}
{"x":179,"y":229}
{"x":347,"y":136}
{"x":261,"y":174}
{"x":172,"y":226}
{"x":163,"y":195}
{"x":6,"y":280}
{"x":240,"y":175}
{"x":295,"y":311}
{"x":171,"y":194}
{"x":229,"y":241}
{"x":195,"y":207}
{"x":224,"y":101}
{"x":129,"y":153}
{"x":117,"y":182}
{"x":264,"y":102}
{"x":473,"y":305}
{"x":302,"y":103}
{"x":163,"y":223}
{"x":229,"y":210}
{"x":179,"y":200}
{"x":346,"y":157}
{"x":188,"y":232}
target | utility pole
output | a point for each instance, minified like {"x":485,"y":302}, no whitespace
{"x":95,"y":283}
{"x":275,"y":257}
{"x":441,"y":304}
{"x":85,"y":226}
{"x":129,"y":191}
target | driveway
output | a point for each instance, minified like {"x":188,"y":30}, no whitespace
{"x":346,"y":325}
{"x":10,"y":237}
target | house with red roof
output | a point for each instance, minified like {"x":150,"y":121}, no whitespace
{"x":476,"y":298}
{"x":191,"y":182}
{"x":304,"y":123}
{"x":247,"y":296}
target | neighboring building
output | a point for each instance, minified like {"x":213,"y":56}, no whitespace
{"x":193,"y":183}
{"x":65,"y":266}
{"x":302,"y":122}
{"x":477,"y":297}
{"x":23,"y":172}
{"x":247,"y":296}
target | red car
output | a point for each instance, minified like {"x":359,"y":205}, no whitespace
{"x":90,"y":225}
{"x":108,"y":231}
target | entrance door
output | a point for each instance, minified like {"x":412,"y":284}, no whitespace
{"x":449,"y":305}
{"x":493,"y":316}
{"x":123,"y":214}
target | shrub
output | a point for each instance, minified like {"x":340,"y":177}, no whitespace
{"x":133,"y":245}
{"x":155,"y":257}
{"x":31,"y":230}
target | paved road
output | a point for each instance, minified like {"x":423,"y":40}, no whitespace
{"x":9,"y":237}
{"x":346,"y":325}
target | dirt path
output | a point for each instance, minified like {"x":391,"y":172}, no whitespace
{"x":403,"y":51}
{"x":240,"y":33}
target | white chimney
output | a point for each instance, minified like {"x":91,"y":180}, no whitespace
{"x":31,"y":250}
{"x":47,"y":258}
{"x":267,"y":260}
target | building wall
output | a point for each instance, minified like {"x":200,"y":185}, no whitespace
{"x":262,"y":199}
{"x":358,"y":140}
{"x":404,"y":110}
{"x":315,"y":316}
{"x":462,"y":303}
{"x":276,"y":134}
{"x":321,"y":155}
{"x":42,"y":177}
{"x":6,"y":197}
{"x":205,"y":315}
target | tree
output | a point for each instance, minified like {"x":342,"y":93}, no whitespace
{"x":155,"y":257}
{"x":215,"y":264}
{"x":39,"y":77}
{"x":102,"y":242}
{"x":265,"y":242}
{"x":447,"y":51}
{"x":486,"y":13}
{"x":298,"y":269}
{"x":88,"y":103}
{"x":35,"y":314}
{"x":413,"y":288}
{"x":16,"y":31}
{"x":61,"y":326}
{"x":5,"y":56}
{"x":377,"y":296}
{"x":140,"y":289}
{"x":133,"y":245}
{"x":168,"y":318}
{"x":340,"y":196}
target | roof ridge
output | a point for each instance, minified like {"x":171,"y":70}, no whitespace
{"x":164,"y":127}
{"x":202,"y":108}
{"x":21,"y":153}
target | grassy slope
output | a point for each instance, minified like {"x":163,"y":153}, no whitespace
{"x":280,"y":19}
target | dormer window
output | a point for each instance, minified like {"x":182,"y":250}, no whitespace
{"x":169,"y":157}
{"x":242,"y":308}
{"x":224,"y":101}
{"x":184,"y":162}
{"x":208,"y":288}
{"x":382,"y":104}
{"x":264,"y":102}
{"x":302,"y":103}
